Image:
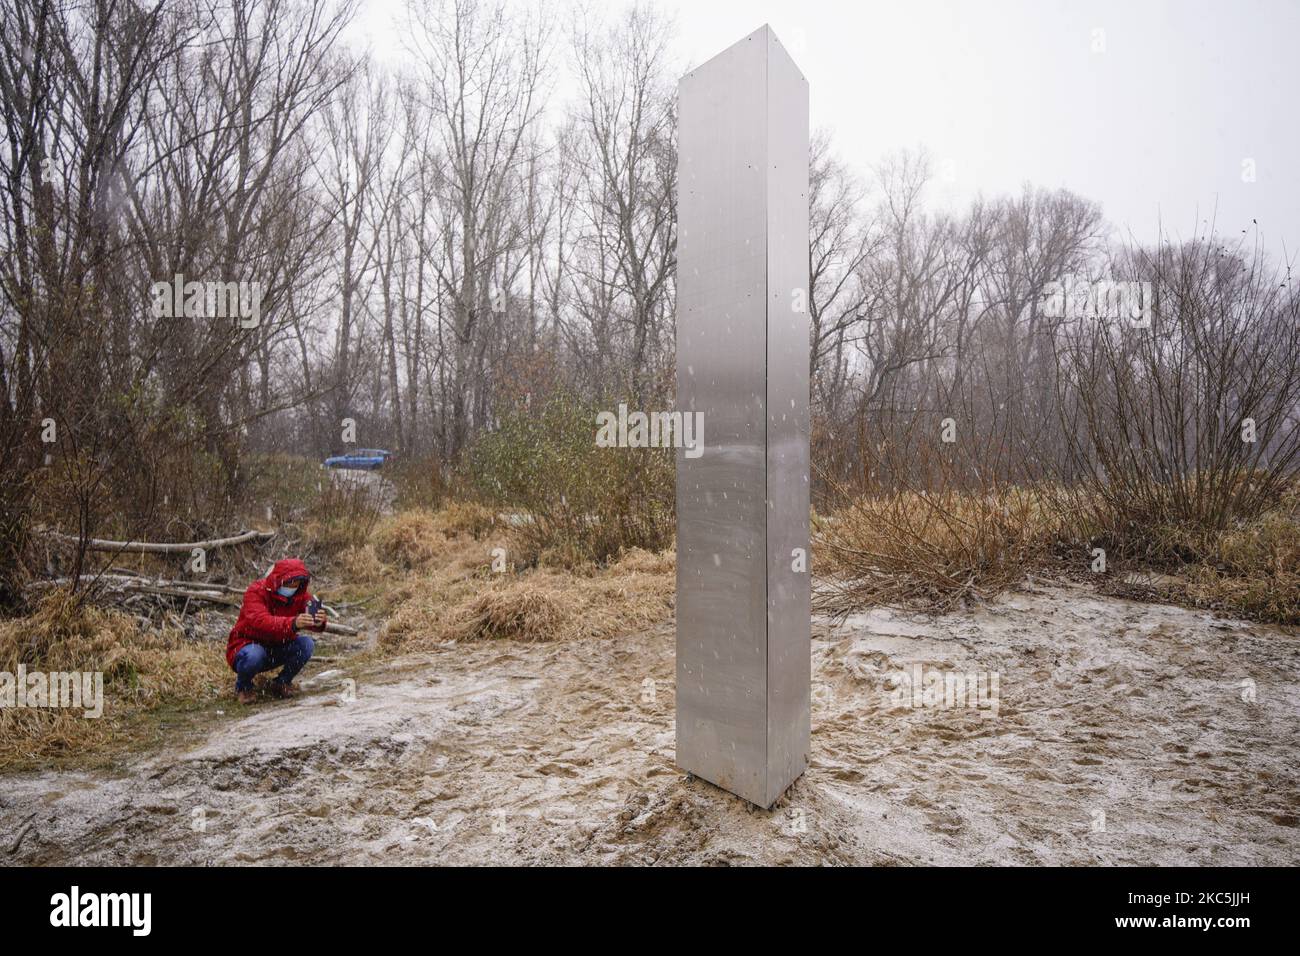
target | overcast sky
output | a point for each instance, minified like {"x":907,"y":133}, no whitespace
{"x":1155,"y":108}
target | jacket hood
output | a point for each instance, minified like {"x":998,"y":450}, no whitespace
{"x":285,"y":569}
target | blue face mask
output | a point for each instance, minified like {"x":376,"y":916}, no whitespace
{"x":286,"y":592}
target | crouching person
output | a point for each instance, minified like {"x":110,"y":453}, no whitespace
{"x":267,"y":633}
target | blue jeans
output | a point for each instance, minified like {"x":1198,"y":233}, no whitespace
{"x":252,"y":659}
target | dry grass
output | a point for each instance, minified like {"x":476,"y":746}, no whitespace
{"x":931,"y":550}
{"x":432,"y":574}
{"x":939,"y":550}
{"x":417,"y":539}
{"x":640,"y":561}
{"x":1275,"y":599}
{"x":419,"y":565}
{"x":360,"y":571}
{"x":524,"y":611}
{"x":408,"y":540}
{"x":466,"y":517}
{"x":540,"y":605}
{"x":143,"y":669}
{"x":418,"y":551}
{"x":1254,"y":570}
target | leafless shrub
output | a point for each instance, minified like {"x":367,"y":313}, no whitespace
{"x":1184,"y":430}
{"x":920,"y":526}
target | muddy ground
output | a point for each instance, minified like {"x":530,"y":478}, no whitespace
{"x":1124,"y":733}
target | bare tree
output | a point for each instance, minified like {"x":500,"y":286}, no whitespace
{"x":481,"y":74}
{"x":629,"y":164}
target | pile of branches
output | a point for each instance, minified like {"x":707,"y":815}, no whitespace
{"x":155,"y":596}
{"x":136,"y":591}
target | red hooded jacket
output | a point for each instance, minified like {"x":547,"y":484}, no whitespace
{"x":265,"y":617}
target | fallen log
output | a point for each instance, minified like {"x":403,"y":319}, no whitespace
{"x":155,"y":547}
{"x":129,"y":581}
{"x":212,"y":597}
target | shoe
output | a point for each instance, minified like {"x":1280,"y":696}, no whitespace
{"x":282,"y":690}
{"x":247,"y":696}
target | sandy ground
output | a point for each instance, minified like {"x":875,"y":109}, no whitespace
{"x":1124,"y":733}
